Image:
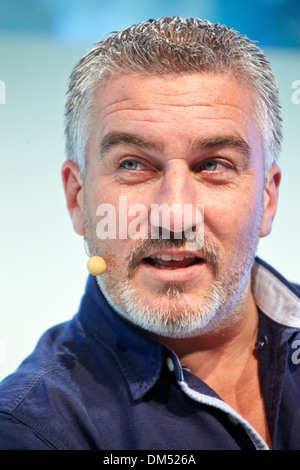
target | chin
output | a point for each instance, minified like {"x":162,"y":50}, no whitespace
{"x":172,"y":312}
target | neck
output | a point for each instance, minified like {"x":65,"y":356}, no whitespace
{"x":228,"y":363}
{"x":209,"y":353}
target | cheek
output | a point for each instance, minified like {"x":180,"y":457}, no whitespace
{"x":115,"y":253}
{"x":234,"y":217}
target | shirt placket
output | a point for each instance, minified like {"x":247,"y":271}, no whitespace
{"x":174,"y":366}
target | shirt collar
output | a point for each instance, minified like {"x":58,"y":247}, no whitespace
{"x":275,"y":296}
{"x":140,"y":357}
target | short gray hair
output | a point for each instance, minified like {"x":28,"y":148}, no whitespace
{"x":173,"y":45}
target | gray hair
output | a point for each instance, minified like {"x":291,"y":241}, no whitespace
{"x":173,"y":45}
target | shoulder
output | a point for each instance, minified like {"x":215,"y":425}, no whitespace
{"x":48,"y":356}
{"x":51,"y":400}
{"x":16,"y":435}
{"x":26,"y":408}
{"x":29,"y":398}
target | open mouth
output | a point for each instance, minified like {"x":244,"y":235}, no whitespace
{"x":172,"y":261}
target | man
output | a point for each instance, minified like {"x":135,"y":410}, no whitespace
{"x":185,"y":341}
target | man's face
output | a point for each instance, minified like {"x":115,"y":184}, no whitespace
{"x":187,"y":139}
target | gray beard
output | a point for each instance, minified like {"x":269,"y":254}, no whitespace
{"x":180,"y":320}
{"x":220,"y":308}
{"x":174,"y":317}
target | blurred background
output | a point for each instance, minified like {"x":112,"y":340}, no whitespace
{"x":43,"y":263}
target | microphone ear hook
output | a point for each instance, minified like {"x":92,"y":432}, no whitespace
{"x":86,"y":247}
{"x":96,"y":265}
{"x":267,"y":180}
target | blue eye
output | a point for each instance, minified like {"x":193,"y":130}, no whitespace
{"x":133,"y":165}
{"x":130,"y":165}
{"x":214,"y":166}
{"x":209,"y":165}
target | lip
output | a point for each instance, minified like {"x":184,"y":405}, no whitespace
{"x":174,"y":275}
{"x":185,"y":253}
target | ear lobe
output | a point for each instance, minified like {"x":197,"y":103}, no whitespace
{"x":270,"y":199}
{"x":73,"y":188}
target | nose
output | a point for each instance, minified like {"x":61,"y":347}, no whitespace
{"x":175,"y":207}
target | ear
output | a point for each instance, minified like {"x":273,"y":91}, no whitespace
{"x":73,"y":187}
{"x":271,"y":190}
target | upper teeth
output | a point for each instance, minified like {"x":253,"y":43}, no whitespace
{"x":172,"y":257}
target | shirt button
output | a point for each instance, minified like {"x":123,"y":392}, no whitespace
{"x":261,"y":343}
{"x":233,"y":420}
{"x":170,"y":364}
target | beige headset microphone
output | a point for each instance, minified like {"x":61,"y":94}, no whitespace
{"x":96,"y":265}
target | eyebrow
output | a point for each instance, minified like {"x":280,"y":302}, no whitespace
{"x":113,"y":139}
{"x":213,"y":143}
{"x":120,"y":138}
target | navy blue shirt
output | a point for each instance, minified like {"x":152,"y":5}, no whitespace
{"x":96,"y":382}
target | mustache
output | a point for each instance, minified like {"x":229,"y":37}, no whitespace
{"x":144,"y":247}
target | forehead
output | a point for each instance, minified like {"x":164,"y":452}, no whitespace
{"x":184,"y":106}
{"x":171,"y":89}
